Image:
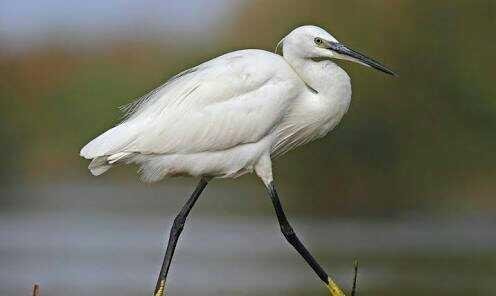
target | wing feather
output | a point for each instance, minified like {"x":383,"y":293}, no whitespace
{"x":234,"y":99}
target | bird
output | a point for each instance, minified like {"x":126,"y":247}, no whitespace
{"x":233,"y":115}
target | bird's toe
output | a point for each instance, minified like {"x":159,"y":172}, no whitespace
{"x":161,"y":289}
{"x":334,"y":288}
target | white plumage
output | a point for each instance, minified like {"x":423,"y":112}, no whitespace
{"x":230,"y":115}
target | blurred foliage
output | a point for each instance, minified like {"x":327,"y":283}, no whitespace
{"x":423,"y":141}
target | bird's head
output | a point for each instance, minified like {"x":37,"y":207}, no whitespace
{"x":311,"y":42}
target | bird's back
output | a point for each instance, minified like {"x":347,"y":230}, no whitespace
{"x":230,"y":101}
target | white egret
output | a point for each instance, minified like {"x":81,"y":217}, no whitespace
{"x":230,"y":116}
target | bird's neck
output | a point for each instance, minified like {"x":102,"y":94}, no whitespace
{"x":324,"y":76}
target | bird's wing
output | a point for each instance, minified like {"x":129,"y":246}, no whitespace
{"x":234,"y":99}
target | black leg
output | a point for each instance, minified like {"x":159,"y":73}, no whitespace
{"x":291,"y":237}
{"x":175,"y":232}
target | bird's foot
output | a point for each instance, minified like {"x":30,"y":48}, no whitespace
{"x":161,"y":289}
{"x":334,"y":288}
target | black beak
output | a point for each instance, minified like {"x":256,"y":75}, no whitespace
{"x":359,"y":57}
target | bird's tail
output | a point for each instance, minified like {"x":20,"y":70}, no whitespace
{"x":107,"y":149}
{"x":99,"y":165}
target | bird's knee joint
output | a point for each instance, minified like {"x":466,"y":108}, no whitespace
{"x":178,"y":224}
{"x":288,"y":231}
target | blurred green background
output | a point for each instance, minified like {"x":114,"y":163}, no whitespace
{"x":407,"y":179}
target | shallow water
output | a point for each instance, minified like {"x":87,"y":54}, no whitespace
{"x":78,"y":240}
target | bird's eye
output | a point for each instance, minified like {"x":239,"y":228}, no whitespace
{"x":318,"y":41}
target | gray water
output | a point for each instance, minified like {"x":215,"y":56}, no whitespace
{"x":74,"y":239}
